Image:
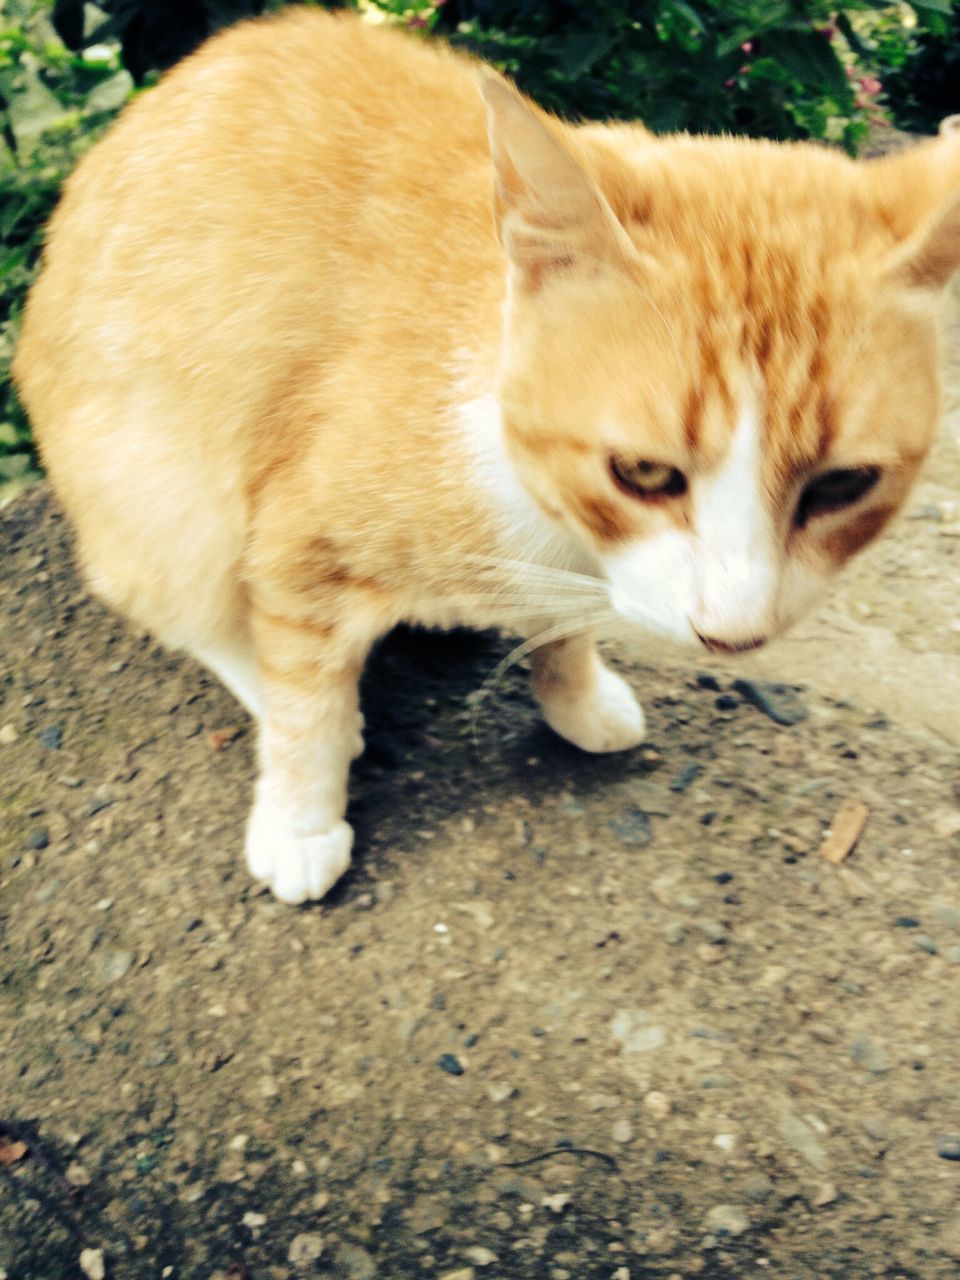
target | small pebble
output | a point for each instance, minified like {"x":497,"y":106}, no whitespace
{"x":714,"y":931}
{"x":823,"y":1194}
{"x":757,"y":1187}
{"x":632,"y":828}
{"x":38,"y":840}
{"x":658,"y":1104}
{"x":51,"y":737}
{"x":869,"y":1055}
{"x":305,"y":1247}
{"x":92,"y":1264}
{"x":622,"y":1131}
{"x":355,"y":1263}
{"x":947,"y":915}
{"x":114,"y":965}
{"x":948,"y":1148}
{"x":635,"y":1031}
{"x":727,"y":1220}
{"x":450,"y":1064}
{"x":803,"y":1140}
{"x":480,"y":1256}
{"x":685,"y":777}
{"x":500,"y":1090}
{"x":874,"y":1128}
{"x":78,"y":1175}
{"x":8,"y":735}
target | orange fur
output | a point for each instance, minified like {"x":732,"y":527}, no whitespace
{"x":307,"y":361}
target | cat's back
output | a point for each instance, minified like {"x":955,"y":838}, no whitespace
{"x":291,"y":105}
{"x":255,"y":197}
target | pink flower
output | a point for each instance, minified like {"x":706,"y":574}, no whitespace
{"x":870,"y":84}
{"x":747,"y":46}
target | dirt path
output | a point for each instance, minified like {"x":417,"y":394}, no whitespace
{"x":568,"y":1018}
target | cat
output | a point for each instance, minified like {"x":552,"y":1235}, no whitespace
{"x":335,"y":330}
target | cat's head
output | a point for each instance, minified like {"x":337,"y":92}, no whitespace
{"x":720,"y":364}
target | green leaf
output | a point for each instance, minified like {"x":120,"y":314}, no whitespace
{"x":846,"y":29}
{"x":579,"y":53}
{"x":935,"y":6}
{"x":688,"y":12}
{"x":809,"y":57}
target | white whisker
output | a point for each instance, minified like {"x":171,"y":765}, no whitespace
{"x":543,"y":572}
{"x":594,"y":622}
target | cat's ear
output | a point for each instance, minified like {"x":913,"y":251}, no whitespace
{"x":931,"y":256}
{"x":550,"y":216}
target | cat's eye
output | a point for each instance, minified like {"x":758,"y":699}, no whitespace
{"x":834,"y":490}
{"x":644,"y":479}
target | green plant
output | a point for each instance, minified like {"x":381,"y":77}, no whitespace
{"x":923,"y":87}
{"x":772,"y":68}
{"x":53,"y":103}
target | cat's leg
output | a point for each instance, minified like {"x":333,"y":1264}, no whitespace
{"x":582,"y":699}
{"x":310,"y":731}
{"x":233,"y":661}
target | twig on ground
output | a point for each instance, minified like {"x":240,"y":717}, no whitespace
{"x":561,"y":1151}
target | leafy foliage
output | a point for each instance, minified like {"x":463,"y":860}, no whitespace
{"x":764,"y":67}
{"x":53,"y":104}
{"x":924,"y":87}
{"x":776,"y":68}
{"x":152,"y":37}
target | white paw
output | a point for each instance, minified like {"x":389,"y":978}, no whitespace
{"x":609,"y":718}
{"x":297,"y":867}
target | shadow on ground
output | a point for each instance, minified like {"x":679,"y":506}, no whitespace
{"x":566,"y":1018}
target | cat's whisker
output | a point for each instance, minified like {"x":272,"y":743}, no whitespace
{"x":502,"y":610}
{"x":593,"y":623}
{"x":533,"y":570}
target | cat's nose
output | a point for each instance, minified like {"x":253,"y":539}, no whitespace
{"x":731,"y":646}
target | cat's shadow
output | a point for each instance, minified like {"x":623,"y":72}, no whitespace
{"x":443,"y":735}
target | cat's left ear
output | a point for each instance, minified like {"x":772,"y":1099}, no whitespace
{"x":551,"y":218}
{"x":931,"y":256}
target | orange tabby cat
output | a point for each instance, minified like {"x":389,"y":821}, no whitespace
{"x":320,"y":345}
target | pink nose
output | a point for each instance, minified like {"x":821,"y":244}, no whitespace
{"x":732,"y":646}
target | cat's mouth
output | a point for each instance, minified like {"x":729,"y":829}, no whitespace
{"x":731,"y":646}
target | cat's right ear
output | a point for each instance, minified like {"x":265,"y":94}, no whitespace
{"x":551,"y":218}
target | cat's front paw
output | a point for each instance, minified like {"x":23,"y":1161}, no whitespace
{"x":607,"y":718}
{"x":297,"y":867}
